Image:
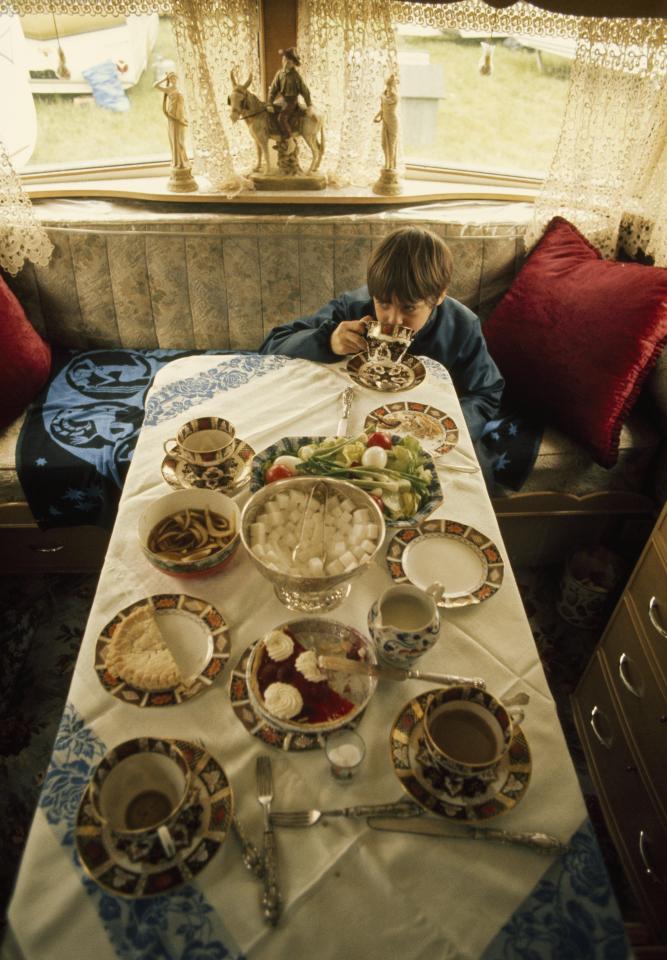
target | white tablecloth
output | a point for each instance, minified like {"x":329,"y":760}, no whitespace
{"x":348,"y":890}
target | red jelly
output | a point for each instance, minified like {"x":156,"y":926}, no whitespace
{"x":321,"y":704}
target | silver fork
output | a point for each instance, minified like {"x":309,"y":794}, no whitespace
{"x":271,"y":899}
{"x":307,"y":818}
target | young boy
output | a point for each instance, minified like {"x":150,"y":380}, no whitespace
{"x":407,"y":278}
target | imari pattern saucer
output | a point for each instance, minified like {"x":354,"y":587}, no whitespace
{"x":107,"y":863}
{"x":207,"y":634}
{"x":228,"y":477}
{"x":436,"y":429}
{"x":385,"y":376}
{"x":467,"y":802}
{"x":257,"y":725}
{"x":466,"y":561}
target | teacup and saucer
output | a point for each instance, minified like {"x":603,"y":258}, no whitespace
{"x":467,"y":736}
{"x":143,"y":793}
{"x":142,"y":805}
{"x":473,"y":763}
{"x":203,"y":442}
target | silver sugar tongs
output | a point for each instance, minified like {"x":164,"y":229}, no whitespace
{"x":299,"y":543}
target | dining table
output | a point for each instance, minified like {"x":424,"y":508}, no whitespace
{"x":348,"y":890}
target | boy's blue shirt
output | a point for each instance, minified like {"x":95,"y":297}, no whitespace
{"x":452,"y":335}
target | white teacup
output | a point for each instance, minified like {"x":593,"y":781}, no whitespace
{"x":204,"y":442}
{"x":468,"y":731}
{"x":404,"y":623}
{"x":139,"y":790}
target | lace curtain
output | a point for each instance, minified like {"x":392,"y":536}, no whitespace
{"x":211,"y":38}
{"x":609,"y":170}
{"x":348,"y":49}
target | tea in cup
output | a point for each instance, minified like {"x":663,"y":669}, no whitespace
{"x":468,"y":731}
{"x":404,"y":623}
{"x":139,"y":790}
{"x":203,"y":442}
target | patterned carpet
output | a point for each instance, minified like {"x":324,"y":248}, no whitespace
{"x":45,"y":618}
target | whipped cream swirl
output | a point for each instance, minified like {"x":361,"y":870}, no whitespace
{"x":278,"y":645}
{"x":306,"y":664}
{"x":283,"y":700}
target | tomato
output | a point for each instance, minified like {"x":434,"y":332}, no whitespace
{"x":278,"y":472}
{"x":379,"y":439}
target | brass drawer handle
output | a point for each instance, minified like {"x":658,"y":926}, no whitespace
{"x":623,"y":664}
{"x":653,"y":617}
{"x":56,"y":549}
{"x":644,"y":843}
{"x":606,"y":741}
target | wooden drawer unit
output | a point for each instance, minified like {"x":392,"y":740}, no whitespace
{"x":620,"y":707}
{"x":636,"y":826}
{"x":648,"y":593}
{"x":640,"y":699}
{"x":70,"y":549}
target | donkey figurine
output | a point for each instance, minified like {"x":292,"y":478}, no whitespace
{"x":263,"y":126}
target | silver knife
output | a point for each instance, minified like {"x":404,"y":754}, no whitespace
{"x":540,"y":842}
{"x":347,"y":665}
{"x":271,"y":899}
{"x":346,"y":396}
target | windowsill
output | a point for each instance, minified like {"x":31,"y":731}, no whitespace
{"x":155,"y":188}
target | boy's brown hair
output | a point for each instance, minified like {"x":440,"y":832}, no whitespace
{"x":411,"y":263}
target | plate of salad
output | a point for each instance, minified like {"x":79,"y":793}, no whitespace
{"x":393,"y":469}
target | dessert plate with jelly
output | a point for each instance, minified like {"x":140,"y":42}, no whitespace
{"x":113,"y":863}
{"x":455,"y":798}
{"x":385,"y":375}
{"x":228,"y":477}
{"x":466,"y":562}
{"x":437,"y":430}
{"x":196,"y":635}
{"x":258,"y":724}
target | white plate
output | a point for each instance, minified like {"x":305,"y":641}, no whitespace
{"x":197,"y":637}
{"x":466,"y":562}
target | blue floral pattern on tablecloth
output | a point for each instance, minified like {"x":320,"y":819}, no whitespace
{"x":180,"y":926}
{"x":176,"y":398}
{"x":554,"y":923}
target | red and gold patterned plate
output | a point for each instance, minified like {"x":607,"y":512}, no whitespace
{"x":469,"y":800}
{"x":466,"y":562}
{"x":389,"y":378}
{"x":436,"y":430}
{"x":197,"y":636}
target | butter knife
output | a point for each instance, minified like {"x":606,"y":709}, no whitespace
{"x":540,"y":842}
{"x":346,"y":665}
{"x":271,"y":899}
{"x":346,"y":396}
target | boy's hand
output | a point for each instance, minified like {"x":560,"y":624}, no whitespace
{"x":348,"y":337}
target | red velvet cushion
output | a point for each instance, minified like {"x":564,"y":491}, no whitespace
{"x":25,"y":359}
{"x":575,"y":336}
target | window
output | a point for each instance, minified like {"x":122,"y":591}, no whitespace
{"x":85,"y":96}
{"x":85,"y":85}
{"x":481,"y":102}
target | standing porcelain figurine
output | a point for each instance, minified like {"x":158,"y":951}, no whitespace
{"x":173,"y":107}
{"x":387,"y":115}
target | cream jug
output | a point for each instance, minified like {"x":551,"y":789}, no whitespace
{"x":404,"y":622}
